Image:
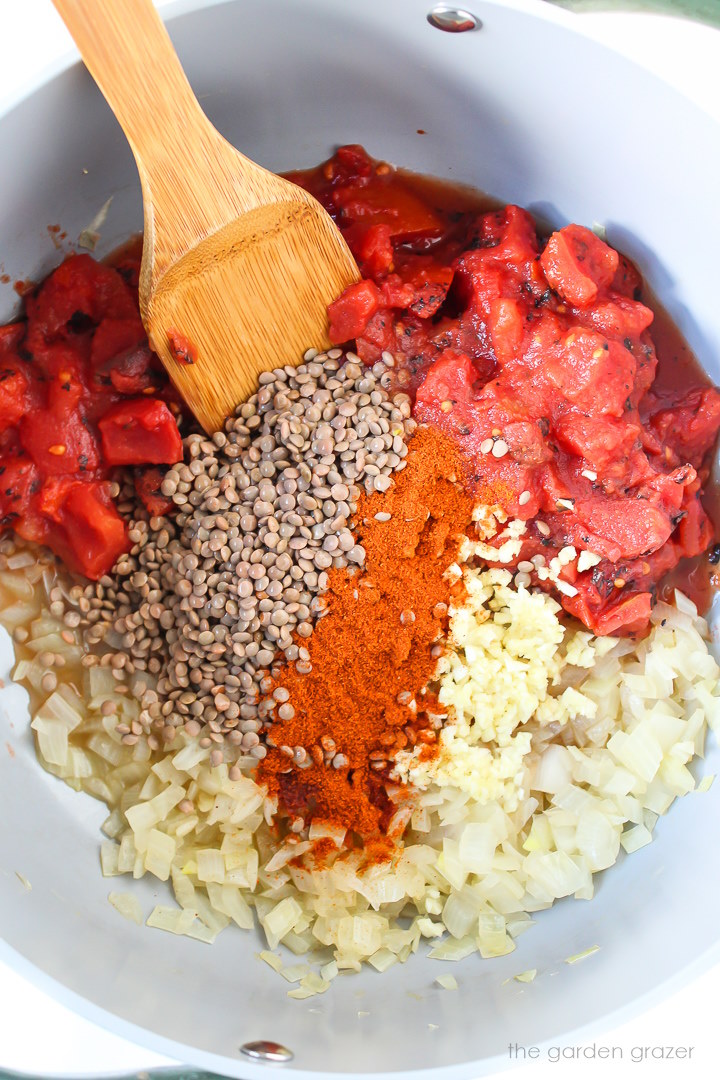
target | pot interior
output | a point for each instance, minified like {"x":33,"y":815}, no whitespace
{"x":531,"y":112}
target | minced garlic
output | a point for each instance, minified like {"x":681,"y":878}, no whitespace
{"x":505,"y":664}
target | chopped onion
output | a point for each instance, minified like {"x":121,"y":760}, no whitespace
{"x":273,"y":961}
{"x":128,"y":906}
{"x":159,"y":854}
{"x":454,"y":949}
{"x":210,"y":865}
{"x":280,"y":919}
{"x":174,"y":920}
{"x":109,"y":853}
{"x":635,"y":838}
{"x":582,"y":955}
{"x":562,"y":748}
{"x":295,"y":972}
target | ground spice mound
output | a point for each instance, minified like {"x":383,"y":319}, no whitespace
{"x":374,"y":650}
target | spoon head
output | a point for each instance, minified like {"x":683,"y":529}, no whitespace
{"x":251,"y":297}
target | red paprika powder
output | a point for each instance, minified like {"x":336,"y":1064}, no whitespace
{"x":374,"y":650}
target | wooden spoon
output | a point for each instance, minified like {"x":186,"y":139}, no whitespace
{"x":238,"y":265}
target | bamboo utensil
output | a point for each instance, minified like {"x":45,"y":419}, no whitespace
{"x":238,"y":264}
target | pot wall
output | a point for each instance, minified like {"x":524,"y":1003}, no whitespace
{"x":531,"y":112}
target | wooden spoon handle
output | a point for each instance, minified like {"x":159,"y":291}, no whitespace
{"x":129,"y":53}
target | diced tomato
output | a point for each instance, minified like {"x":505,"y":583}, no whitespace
{"x":486,"y":230}
{"x":140,"y":431}
{"x":587,"y":368}
{"x":181,"y":348}
{"x":627,"y":280}
{"x":577,"y":264}
{"x":354,"y":159}
{"x":128,"y":266}
{"x":82,"y":349}
{"x":621,"y":527}
{"x":617,"y":317}
{"x":19,"y":479}
{"x":599,"y":440}
{"x":115,"y":338}
{"x":430,"y":285}
{"x":516,"y":245}
{"x":540,"y":365}
{"x":75,"y":297}
{"x":506,"y":329}
{"x":65,"y":391}
{"x":670,"y":490}
{"x":350,"y":313}
{"x":32,"y":526}
{"x":53,"y":494}
{"x":59,"y":442}
{"x":629,"y":615}
{"x":477,"y":284}
{"x":147,"y":485}
{"x":9,"y":443}
{"x":646,"y":363}
{"x":395,"y":206}
{"x":546,"y":357}
{"x":135,"y":371}
{"x":498,"y":263}
{"x":131,"y":372}
{"x":396,"y":293}
{"x":694,"y":532}
{"x":526,"y":442}
{"x":372,"y":247}
{"x":448,"y":384}
{"x":506,"y":238}
{"x":95,"y":534}
{"x":691,"y":427}
{"x":379,"y":335}
{"x":11,"y":337}
{"x":14,"y":395}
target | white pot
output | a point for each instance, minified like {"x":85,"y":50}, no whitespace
{"x":533,"y":112}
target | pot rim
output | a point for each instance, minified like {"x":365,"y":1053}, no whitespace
{"x":547,"y":10}
{"x":194,"y":1057}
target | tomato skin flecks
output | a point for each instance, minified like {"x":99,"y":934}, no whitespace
{"x":182,"y":349}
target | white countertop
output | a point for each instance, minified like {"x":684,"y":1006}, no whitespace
{"x":40,"y":1036}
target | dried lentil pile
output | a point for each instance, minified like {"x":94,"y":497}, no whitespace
{"x":210,"y":601}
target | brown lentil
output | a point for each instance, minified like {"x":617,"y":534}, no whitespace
{"x":210,"y":599}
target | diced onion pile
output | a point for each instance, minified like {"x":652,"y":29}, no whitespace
{"x":561,"y":748}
